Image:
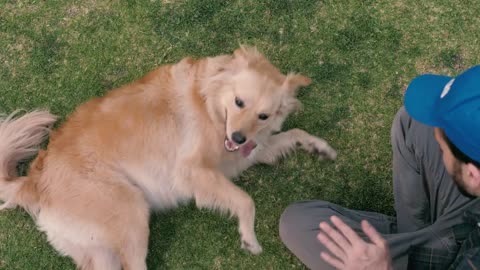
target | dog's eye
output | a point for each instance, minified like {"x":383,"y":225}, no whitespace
{"x":239,"y":102}
{"x":262,"y":116}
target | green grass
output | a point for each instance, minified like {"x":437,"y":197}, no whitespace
{"x":360,"y":54}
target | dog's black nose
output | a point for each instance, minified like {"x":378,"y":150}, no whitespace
{"x":238,"y":137}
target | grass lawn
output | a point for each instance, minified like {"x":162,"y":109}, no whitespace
{"x":360,"y":54}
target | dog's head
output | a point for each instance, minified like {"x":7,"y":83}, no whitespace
{"x":254,"y":98}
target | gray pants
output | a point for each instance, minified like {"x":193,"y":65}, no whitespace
{"x":428,"y":205}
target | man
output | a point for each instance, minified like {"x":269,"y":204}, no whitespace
{"x":436,"y":179}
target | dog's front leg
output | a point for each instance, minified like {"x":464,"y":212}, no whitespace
{"x":211,"y":189}
{"x":280,"y":145}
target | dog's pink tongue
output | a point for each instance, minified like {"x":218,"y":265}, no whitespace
{"x":247,"y":148}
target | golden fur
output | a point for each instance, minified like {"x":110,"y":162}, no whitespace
{"x":151,"y":145}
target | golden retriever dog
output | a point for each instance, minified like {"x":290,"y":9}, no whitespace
{"x":179,"y":133}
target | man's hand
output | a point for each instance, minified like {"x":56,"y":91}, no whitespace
{"x":351,"y":251}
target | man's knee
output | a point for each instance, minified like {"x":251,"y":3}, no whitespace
{"x":287,"y":220}
{"x":299,"y":216}
{"x":298,"y":227}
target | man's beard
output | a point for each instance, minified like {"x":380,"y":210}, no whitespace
{"x":457,"y":177}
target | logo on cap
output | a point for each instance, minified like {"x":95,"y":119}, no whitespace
{"x":446,"y":89}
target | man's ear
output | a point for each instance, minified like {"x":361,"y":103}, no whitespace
{"x":294,"y":81}
{"x":474,"y":177}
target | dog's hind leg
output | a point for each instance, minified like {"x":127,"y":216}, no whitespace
{"x":132,"y":244}
{"x":108,"y":232}
{"x":280,"y":145}
{"x":134,"y":250}
{"x":129,"y":249}
{"x":99,"y":258}
{"x":127,"y":252}
{"x":211,"y":189}
{"x":87,"y":257}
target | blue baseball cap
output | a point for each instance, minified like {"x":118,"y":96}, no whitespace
{"x":449,"y":103}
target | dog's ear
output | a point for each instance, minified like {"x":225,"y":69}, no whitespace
{"x":244,"y":56}
{"x":246,"y":52}
{"x":294,"y":81}
{"x":240,"y":53}
{"x":288,"y":105}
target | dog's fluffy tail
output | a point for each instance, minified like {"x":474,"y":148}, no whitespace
{"x":20,"y":138}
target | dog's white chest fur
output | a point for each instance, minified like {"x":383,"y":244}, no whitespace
{"x":236,"y":164}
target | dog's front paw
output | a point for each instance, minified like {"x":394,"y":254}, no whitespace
{"x":318,"y":147}
{"x":253,"y":246}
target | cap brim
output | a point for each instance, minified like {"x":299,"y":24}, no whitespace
{"x":422,"y":96}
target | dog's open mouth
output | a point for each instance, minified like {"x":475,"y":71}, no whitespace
{"x":245,"y":149}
